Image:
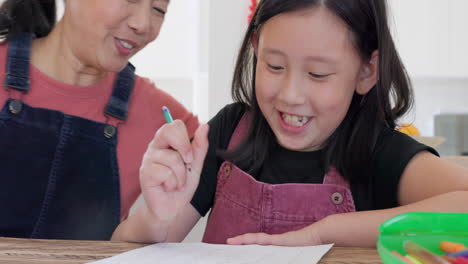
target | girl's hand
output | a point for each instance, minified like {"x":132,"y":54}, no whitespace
{"x":307,"y":236}
{"x":171,"y":168}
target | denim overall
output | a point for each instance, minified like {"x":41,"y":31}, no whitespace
{"x":245,"y":205}
{"x":58,"y":173}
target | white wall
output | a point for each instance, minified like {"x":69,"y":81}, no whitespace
{"x":431,"y":36}
{"x":432,"y":41}
{"x":227,"y":27}
{"x":175,"y":60}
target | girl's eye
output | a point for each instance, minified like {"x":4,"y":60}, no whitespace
{"x":275,"y":68}
{"x":160,"y":10}
{"x":319,"y":76}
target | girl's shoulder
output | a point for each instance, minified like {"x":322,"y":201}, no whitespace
{"x":392,"y":153}
{"x":393,"y":143}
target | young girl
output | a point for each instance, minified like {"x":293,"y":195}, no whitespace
{"x":75,"y":119}
{"x":309,"y":153}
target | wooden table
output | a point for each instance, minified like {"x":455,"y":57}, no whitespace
{"x":28,"y":251}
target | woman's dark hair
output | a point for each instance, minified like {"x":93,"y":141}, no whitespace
{"x":31,"y":16}
{"x":350,"y":148}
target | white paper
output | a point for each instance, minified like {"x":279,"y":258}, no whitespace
{"x":175,"y":253}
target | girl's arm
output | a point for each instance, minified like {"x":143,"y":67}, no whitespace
{"x":361,"y":229}
{"x":428,"y":184}
{"x":143,"y":227}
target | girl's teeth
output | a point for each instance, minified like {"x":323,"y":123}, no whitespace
{"x":126,"y":44}
{"x":297,"y":121}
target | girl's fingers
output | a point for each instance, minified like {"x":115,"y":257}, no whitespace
{"x":156,"y":175}
{"x":251,"y":239}
{"x":171,"y":159}
{"x":174,"y":136}
{"x":200,"y":147}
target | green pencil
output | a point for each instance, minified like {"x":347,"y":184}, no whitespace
{"x":167,"y":114}
{"x":168,"y":117}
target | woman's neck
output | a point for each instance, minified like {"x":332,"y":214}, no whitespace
{"x":54,"y":56}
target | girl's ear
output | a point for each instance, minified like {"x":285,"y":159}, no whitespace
{"x":369,"y":74}
{"x":254,"y":42}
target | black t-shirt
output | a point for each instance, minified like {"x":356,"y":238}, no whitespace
{"x":393,"y":152}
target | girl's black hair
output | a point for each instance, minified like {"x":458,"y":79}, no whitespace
{"x":31,"y":16}
{"x":350,"y":148}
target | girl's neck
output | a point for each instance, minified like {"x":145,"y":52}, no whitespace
{"x":54,"y":56}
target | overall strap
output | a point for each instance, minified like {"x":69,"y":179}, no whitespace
{"x":122,"y":91}
{"x":240,"y":131}
{"x":17,"y":70}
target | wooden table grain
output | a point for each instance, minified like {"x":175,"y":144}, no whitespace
{"x":29,"y":251}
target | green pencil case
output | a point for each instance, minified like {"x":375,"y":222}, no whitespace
{"x":425,"y":229}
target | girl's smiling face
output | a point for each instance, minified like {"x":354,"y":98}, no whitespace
{"x":307,"y":73}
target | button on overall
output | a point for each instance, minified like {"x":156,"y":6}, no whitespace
{"x":337,"y":198}
{"x":227,"y":170}
{"x":15,"y":106}
{"x":109,"y":131}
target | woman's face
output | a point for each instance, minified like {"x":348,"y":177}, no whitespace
{"x":105,"y":34}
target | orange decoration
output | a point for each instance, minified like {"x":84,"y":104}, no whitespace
{"x":409,"y":129}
